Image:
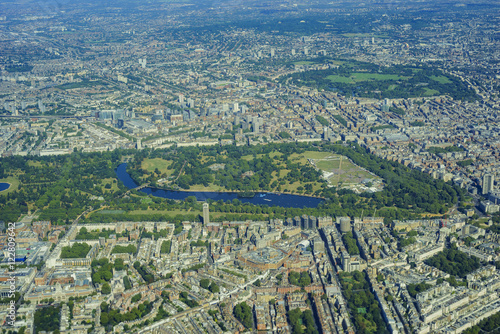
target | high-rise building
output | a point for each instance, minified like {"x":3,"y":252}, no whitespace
{"x":256,"y":125}
{"x":206,"y":214}
{"x":326,"y":135}
{"x":41,"y":106}
{"x":488,"y":181}
{"x":272,"y":52}
{"x":181,"y":98}
{"x":345,"y":224}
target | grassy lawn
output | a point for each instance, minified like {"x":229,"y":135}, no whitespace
{"x":303,"y":62}
{"x":151,"y":164}
{"x":201,"y":187}
{"x":376,"y":76}
{"x":105,"y":212}
{"x":271,"y":155}
{"x":114,"y":186}
{"x":35,"y":163}
{"x":347,"y":173}
{"x":359,"y":77}
{"x":441,"y":79}
{"x":430,"y":92}
{"x":339,"y":78}
{"x":309,"y":155}
{"x":14,"y":184}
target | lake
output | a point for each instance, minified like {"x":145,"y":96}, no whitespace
{"x":271,"y":199}
{"x":4,"y":186}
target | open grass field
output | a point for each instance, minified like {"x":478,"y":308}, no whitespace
{"x":162,"y":165}
{"x":106,"y":212}
{"x":114,"y":185}
{"x":271,"y":155}
{"x":441,"y":79}
{"x":303,"y":62}
{"x":430,"y":92}
{"x":360,"y":77}
{"x":337,"y":169}
{"x":211,"y":187}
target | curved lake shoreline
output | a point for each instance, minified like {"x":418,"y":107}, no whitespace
{"x":4,"y":186}
{"x":260,"y":198}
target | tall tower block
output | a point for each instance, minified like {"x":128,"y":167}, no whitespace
{"x":206,"y":214}
{"x":488,"y":181}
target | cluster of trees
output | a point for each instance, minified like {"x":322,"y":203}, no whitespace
{"x":77,"y":251}
{"x":126,"y":283}
{"x":60,"y":187}
{"x":111,"y":317}
{"x":364,"y":307}
{"x":136,"y":298}
{"x":403,"y":242}
{"x":454,"y":262}
{"x":183,"y":297}
{"x":84,"y":234}
{"x":405,"y":188}
{"x":301,"y":279}
{"x":211,"y":286}
{"x":47,"y":319}
{"x":199,"y":243}
{"x":194,"y":268}
{"x":350,"y":243}
{"x":143,"y":271}
{"x":302,"y":322}
{"x":243,"y":313}
{"x":102,"y":272}
{"x":166,"y":247}
{"x":129,"y":249}
{"x":453,"y":281}
{"x":15,"y":297}
{"x":465,"y":163}
{"x":397,"y":81}
{"x":194,"y":162}
{"x":19,"y":68}
{"x":340,"y":119}
{"x":156,"y":234}
{"x":323,"y":121}
{"x":414,"y":289}
{"x":284,"y":135}
{"x":488,"y":325}
{"x":398,"y":111}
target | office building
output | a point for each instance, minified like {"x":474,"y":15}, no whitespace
{"x":488,"y":181}
{"x":206,"y":214}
